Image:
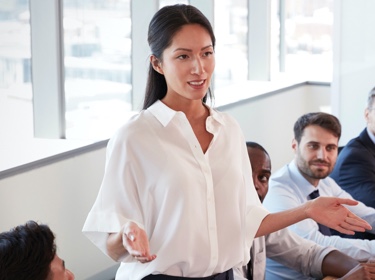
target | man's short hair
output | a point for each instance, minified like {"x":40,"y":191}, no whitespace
{"x":370,"y":99}
{"x":255,"y":145}
{"x":324,"y":120}
{"x":26,"y":252}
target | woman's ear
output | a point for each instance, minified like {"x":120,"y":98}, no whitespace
{"x":156,"y":64}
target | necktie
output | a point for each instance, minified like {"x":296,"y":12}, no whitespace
{"x":322,"y":228}
{"x":250,"y":270}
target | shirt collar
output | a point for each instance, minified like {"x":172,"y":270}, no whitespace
{"x":216,"y":116}
{"x":305,"y":186}
{"x":371,"y":135}
{"x":165,"y":114}
{"x":162,"y":112}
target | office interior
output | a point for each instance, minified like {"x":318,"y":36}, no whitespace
{"x":51,"y":173}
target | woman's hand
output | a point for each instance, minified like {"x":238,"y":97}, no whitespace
{"x":329,"y":211}
{"x":135,"y":241}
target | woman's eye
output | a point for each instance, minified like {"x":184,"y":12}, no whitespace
{"x":182,"y":56}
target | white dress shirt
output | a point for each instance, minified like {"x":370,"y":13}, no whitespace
{"x":291,"y":250}
{"x":289,"y":189}
{"x":199,"y":210}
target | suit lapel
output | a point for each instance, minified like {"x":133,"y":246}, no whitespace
{"x":367,"y":142}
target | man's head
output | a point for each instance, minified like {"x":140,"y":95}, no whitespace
{"x":261,"y":168}
{"x":315,"y":143}
{"x":28,"y":252}
{"x":370,"y":111}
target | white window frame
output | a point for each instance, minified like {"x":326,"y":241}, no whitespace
{"x":47,"y":68}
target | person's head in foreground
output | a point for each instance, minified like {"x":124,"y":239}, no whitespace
{"x":28,"y":252}
{"x":315,"y":143}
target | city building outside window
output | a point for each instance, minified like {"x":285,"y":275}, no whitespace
{"x":16,"y":111}
{"x":97,"y":50}
{"x":302,"y":39}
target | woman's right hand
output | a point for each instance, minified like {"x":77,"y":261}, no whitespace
{"x":135,"y":241}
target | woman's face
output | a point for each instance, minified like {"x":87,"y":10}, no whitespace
{"x":187,"y":64}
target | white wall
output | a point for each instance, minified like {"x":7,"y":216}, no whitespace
{"x":269,"y":119}
{"x":354,"y":63}
{"x":61,"y":194}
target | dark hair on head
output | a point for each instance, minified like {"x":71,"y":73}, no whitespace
{"x":255,"y":145}
{"x":324,"y":120}
{"x":26,"y":252}
{"x":163,"y":26}
{"x":370,"y":99}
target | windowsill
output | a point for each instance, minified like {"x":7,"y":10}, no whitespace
{"x":20,"y":155}
{"x":240,"y":92}
{"x":23,"y":155}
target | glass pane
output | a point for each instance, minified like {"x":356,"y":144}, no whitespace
{"x":308,"y":38}
{"x":231,"y":41}
{"x":97,"y":46}
{"x":16,"y":112}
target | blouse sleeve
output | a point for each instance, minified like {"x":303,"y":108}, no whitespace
{"x":118,"y":200}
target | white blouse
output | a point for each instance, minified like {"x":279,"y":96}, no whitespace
{"x":199,"y":210}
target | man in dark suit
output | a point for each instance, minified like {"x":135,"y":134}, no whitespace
{"x":355,"y":166}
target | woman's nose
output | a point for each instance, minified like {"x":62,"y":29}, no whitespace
{"x":198,"y":67}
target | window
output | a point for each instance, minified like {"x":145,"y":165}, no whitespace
{"x":16,"y":114}
{"x":230,"y":24}
{"x":99,"y":77}
{"x":97,"y":50}
{"x":305,"y":45}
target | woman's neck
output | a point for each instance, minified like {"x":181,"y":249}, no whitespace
{"x":193,"y":109}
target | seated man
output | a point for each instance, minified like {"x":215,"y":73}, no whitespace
{"x":315,"y":143}
{"x":305,"y":256}
{"x":355,"y":167}
{"x":28,"y":252}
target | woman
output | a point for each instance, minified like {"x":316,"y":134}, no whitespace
{"x":177,"y":179}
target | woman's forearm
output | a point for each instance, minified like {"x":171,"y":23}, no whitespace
{"x":115,"y":247}
{"x":329,"y":211}
{"x":276,"y":221}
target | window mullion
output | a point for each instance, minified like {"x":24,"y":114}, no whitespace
{"x":47,"y":68}
{"x":140,"y":49}
{"x":259,"y":40}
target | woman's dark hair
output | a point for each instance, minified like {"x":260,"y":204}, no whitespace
{"x":26,"y":252}
{"x":163,"y":26}
{"x":324,"y":120}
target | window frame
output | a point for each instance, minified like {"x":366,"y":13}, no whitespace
{"x":47,"y":74}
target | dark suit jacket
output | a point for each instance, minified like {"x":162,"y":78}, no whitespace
{"x":355,"y":169}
